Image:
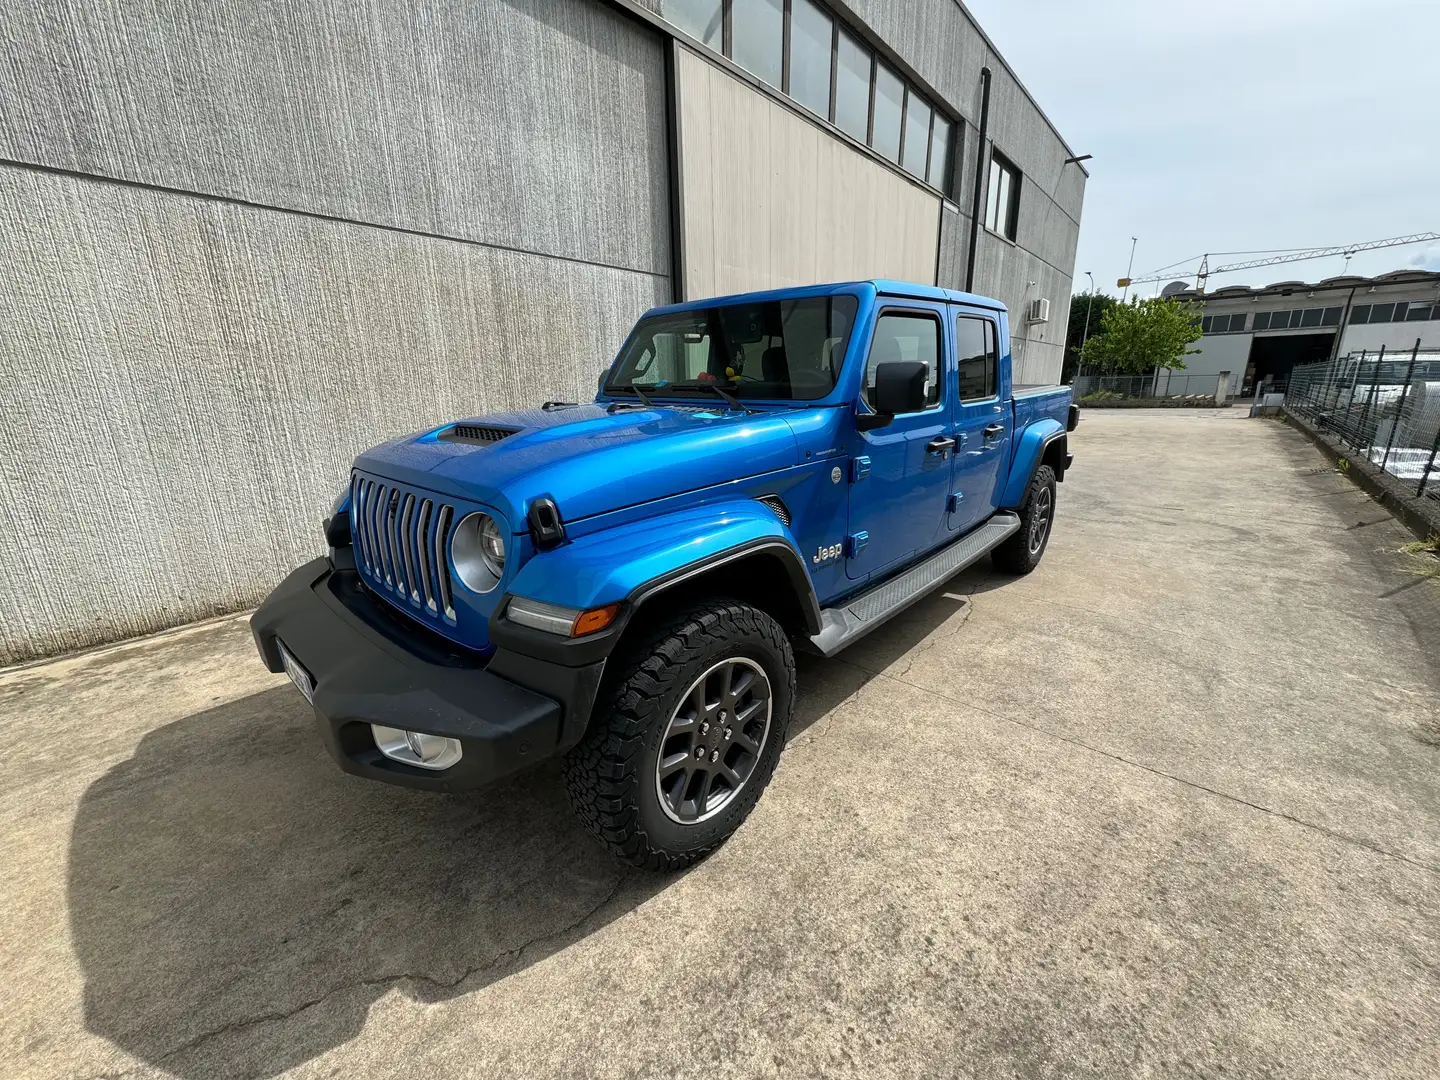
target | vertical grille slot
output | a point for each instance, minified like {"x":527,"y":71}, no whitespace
{"x":401,"y":539}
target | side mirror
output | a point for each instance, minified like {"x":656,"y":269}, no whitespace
{"x":899,"y":388}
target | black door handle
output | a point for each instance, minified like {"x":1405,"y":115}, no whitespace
{"x":939,"y":446}
{"x":994,"y":430}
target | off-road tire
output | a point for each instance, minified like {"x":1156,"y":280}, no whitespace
{"x":1021,"y":553}
{"x":611,"y":774}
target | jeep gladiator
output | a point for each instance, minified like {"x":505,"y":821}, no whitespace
{"x":623,"y":582}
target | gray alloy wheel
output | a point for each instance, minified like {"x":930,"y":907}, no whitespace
{"x":1040,"y":519}
{"x":713,"y":741}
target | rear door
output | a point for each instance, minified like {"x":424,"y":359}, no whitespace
{"x":983,"y":418}
{"x":899,"y":506}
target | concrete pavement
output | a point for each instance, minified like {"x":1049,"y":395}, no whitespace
{"x":1168,"y":806}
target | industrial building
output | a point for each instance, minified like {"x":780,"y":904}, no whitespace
{"x":244,"y":241}
{"x":1260,"y":333}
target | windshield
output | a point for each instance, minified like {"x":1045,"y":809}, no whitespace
{"x":777,"y":350}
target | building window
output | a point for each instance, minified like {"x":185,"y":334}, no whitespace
{"x":852,"y":87}
{"x":1360,"y":315}
{"x":1332,"y":316}
{"x":1002,"y":207}
{"x":1381,"y":312}
{"x":757,"y":37}
{"x":938,"y":171}
{"x":916,"y":143}
{"x":975,"y":353}
{"x":1419,"y":313}
{"x":887,"y":113}
{"x":1311,"y":316}
{"x":812,"y":34}
{"x":702,"y":19}
{"x":800,"y":48}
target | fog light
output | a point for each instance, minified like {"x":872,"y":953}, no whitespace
{"x":416,"y":748}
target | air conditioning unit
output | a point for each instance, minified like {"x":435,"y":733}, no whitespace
{"x":1039,"y":310}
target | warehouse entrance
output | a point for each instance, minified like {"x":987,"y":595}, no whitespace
{"x":1274,"y":357}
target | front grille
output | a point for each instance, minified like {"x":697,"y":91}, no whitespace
{"x":475,"y":433}
{"x":400,"y":540}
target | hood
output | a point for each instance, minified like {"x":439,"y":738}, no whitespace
{"x":588,"y":459}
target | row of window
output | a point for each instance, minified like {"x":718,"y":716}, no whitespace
{"x":1421,"y":311}
{"x":1290,"y":320}
{"x":799,"y":48}
{"x":1360,"y":314}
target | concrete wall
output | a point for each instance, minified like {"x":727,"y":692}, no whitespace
{"x":770,"y":199}
{"x":387,"y":215}
{"x":1216,"y":353}
{"x":1396,"y":337}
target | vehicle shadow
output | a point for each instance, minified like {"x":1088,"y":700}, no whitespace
{"x":237,"y":903}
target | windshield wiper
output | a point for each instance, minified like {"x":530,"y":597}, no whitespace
{"x":730,"y":399}
{"x":634,"y":390}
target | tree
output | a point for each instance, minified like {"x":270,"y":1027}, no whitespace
{"x":1143,"y":335}
{"x":1083,"y":306}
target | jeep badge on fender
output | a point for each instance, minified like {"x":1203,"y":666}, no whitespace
{"x":621,"y":582}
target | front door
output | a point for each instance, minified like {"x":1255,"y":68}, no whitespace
{"x":983,"y":419}
{"x":900,"y":477}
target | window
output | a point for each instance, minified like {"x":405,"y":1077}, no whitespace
{"x":801,"y":49}
{"x":757,"y":33}
{"x":811,"y":31}
{"x":852,"y":87}
{"x":906,"y":337}
{"x":1311,"y":316}
{"x":1381,"y":312}
{"x":1262,"y":320}
{"x":1332,"y":316}
{"x":774,"y":350}
{"x":917,"y":135}
{"x":1002,"y":207}
{"x":975,"y":352}
{"x":1360,"y":315}
{"x":703,"y":19}
{"x":1237,"y":323}
{"x":1418,"y":313}
{"x":1207,"y":324}
{"x":889,"y":106}
{"x":938,"y":172}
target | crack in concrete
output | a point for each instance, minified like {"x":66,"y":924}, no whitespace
{"x":1325,"y":830}
{"x":382,"y":981}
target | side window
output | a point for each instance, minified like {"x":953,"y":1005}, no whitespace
{"x":975,"y":353}
{"x":901,"y":336}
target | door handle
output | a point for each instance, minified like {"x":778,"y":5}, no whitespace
{"x":994,"y":430}
{"x":940,"y":445}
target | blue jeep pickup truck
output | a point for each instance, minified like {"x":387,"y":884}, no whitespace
{"x":623,"y":582}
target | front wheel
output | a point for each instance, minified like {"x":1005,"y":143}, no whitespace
{"x":1021,"y":553}
{"x":692,"y":725}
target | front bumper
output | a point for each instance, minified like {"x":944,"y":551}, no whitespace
{"x":371,"y":665}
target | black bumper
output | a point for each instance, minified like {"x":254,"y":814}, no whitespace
{"x":371,"y":665}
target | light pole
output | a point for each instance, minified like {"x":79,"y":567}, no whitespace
{"x":1131,"y":269}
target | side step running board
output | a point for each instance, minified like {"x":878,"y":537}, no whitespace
{"x":843,"y":625}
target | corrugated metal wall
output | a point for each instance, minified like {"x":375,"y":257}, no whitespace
{"x":283,"y":233}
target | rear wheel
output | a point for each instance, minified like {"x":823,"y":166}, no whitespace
{"x":691,"y":727}
{"x":1021,"y":553}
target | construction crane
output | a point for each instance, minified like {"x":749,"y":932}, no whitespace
{"x":1202,"y":274}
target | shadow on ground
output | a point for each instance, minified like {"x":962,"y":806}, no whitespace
{"x":238,"y":904}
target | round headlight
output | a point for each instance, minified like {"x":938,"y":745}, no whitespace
{"x":478,"y":552}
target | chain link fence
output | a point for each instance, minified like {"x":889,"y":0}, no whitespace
{"x":1157,"y":388}
{"x":1384,"y":408}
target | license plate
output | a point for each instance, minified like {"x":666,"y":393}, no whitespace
{"x":298,"y":675}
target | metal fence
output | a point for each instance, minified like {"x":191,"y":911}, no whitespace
{"x":1176,"y":388}
{"x":1385,"y":408}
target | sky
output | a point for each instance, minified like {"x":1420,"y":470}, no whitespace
{"x":1235,"y":126}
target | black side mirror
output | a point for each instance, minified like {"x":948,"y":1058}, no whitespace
{"x":899,"y":388}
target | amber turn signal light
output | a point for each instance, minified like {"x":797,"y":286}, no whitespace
{"x":587,"y":622}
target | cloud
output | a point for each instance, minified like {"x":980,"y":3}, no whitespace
{"x":1427,"y":259}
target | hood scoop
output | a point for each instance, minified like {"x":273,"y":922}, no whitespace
{"x":475,"y":434}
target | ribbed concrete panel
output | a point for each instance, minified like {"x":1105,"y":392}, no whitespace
{"x":186,"y":382}
{"x":770,"y":199}
{"x":536,"y":124}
